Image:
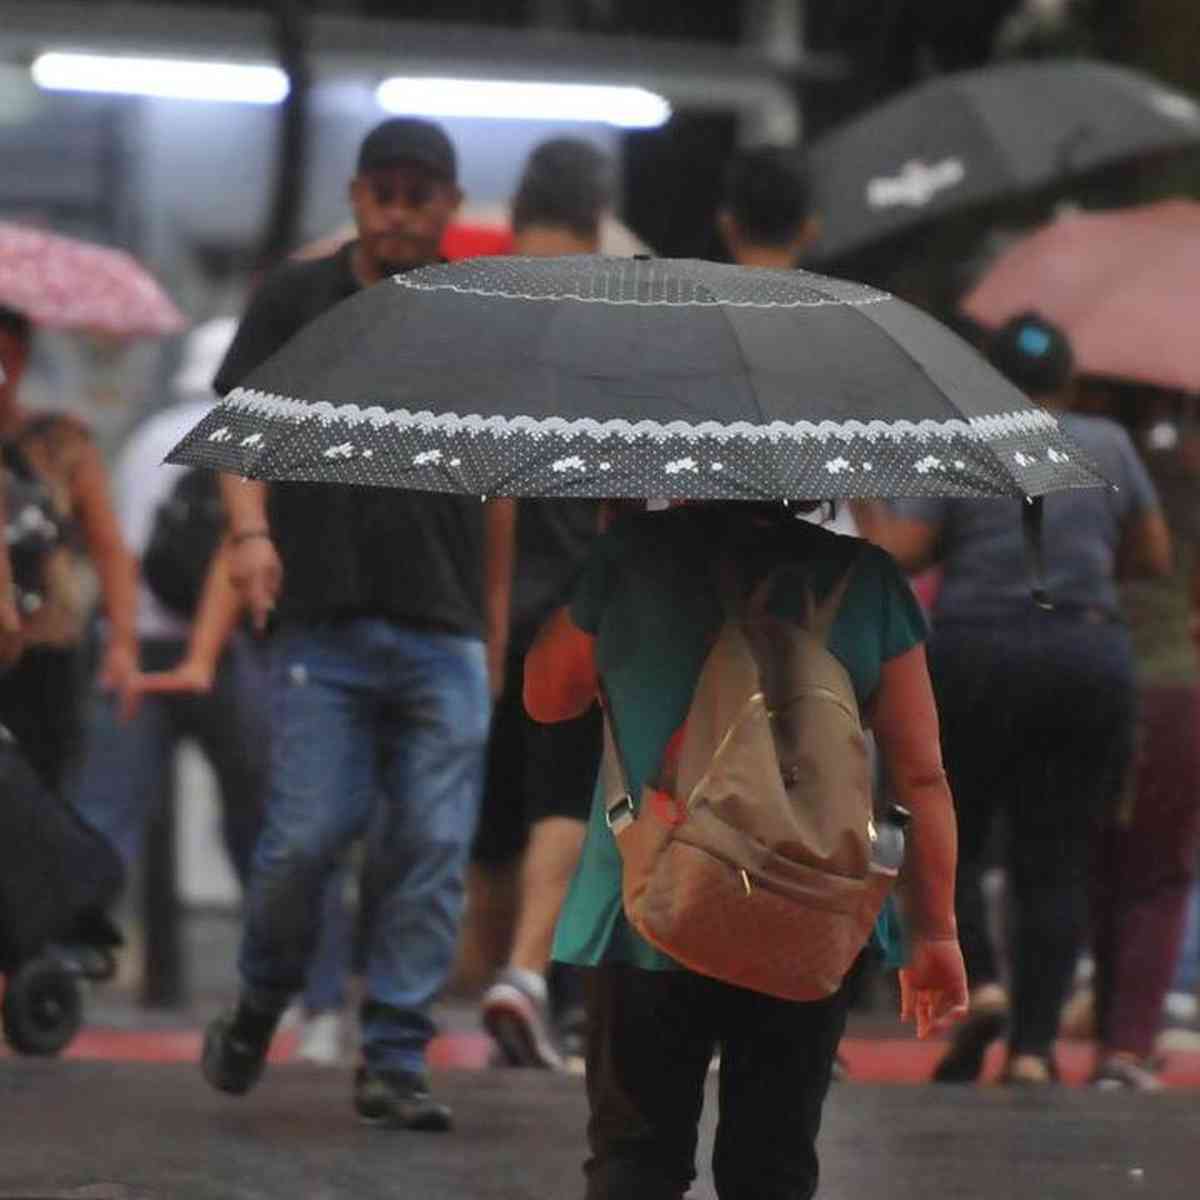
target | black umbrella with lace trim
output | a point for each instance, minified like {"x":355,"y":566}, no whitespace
{"x":591,"y":376}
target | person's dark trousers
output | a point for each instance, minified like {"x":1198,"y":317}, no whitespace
{"x":40,"y":705}
{"x":1037,"y":725}
{"x":651,"y":1036}
{"x":1144,"y":866}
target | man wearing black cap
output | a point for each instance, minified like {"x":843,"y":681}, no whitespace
{"x":392,"y":610}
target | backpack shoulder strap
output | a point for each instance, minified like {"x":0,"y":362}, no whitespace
{"x":619,"y":810}
{"x":818,"y":617}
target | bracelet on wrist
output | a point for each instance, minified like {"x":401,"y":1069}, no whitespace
{"x":246,"y":535}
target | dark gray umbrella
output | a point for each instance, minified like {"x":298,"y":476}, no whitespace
{"x":977,"y":136}
{"x":635,"y":377}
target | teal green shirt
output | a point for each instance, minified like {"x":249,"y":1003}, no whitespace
{"x":646,"y":593}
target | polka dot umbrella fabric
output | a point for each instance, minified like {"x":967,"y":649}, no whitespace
{"x":64,"y":283}
{"x":616,"y":377}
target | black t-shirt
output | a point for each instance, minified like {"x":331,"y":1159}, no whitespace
{"x":347,"y":551}
{"x":552,"y":539}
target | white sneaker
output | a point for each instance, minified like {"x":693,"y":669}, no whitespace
{"x":1120,"y":1073}
{"x":515,"y":1014}
{"x":321,"y":1040}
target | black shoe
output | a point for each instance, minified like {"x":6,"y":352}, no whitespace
{"x":572,"y":1033}
{"x":233,"y":1063}
{"x":398,"y":1100}
{"x":964,"y":1060}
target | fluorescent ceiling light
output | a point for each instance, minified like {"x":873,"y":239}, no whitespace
{"x":627,"y":107}
{"x":170,"y":78}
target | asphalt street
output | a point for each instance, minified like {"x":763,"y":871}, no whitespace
{"x":135,"y":1131}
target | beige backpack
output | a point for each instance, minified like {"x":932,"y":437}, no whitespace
{"x":756,"y":858}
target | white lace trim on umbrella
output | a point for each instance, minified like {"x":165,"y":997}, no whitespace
{"x":284,"y":408}
{"x":706,"y":301}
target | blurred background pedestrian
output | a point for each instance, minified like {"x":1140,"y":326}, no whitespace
{"x":40,"y":695}
{"x":171,"y":518}
{"x":540,"y":778}
{"x":380,"y":689}
{"x":1145,"y":865}
{"x":1037,"y":704}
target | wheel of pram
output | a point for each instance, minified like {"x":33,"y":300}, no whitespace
{"x":43,"y":1007}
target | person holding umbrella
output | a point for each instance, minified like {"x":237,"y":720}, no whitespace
{"x":637,"y":628}
{"x":392,"y":608}
{"x":1037,"y":703}
{"x":695,"y":381}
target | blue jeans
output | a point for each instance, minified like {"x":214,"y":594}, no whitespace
{"x":330,"y":963}
{"x":367,"y":712}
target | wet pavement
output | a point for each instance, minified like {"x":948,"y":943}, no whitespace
{"x":125,"y":1116}
{"x":138,"y":1131}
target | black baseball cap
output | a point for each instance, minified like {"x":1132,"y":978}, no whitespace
{"x":409,"y":140}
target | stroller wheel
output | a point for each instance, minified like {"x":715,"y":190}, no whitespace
{"x":43,"y":1007}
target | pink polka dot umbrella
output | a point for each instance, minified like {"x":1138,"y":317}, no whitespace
{"x":64,"y":283}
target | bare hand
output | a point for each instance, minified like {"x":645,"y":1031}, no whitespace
{"x":256,"y":571}
{"x":117,"y":674}
{"x":933,"y":987}
{"x":190,"y":678}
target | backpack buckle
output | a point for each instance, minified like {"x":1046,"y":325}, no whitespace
{"x":619,"y":813}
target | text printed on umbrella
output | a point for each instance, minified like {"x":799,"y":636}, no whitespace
{"x":916,"y":185}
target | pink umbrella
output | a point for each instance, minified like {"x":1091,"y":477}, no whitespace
{"x":1124,"y":285}
{"x":63,"y":283}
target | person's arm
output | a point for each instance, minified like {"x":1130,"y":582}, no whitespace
{"x":911,"y":542}
{"x":561,"y":679}
{"x":1145,"y":547}
{"x":116,"y":568}
{"x":11,"y":640}
{"x":216,"y":616}
{"x":274,"y":315}
{"x":904,"y":718}
{"x":872,"y":518}
{"x":255,"y":568}
{"x":499,"y":538}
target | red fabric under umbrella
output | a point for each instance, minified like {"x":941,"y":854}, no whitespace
{"x":1124,"y":285}
{"x":64,"y":283}
{"x":470,"y":239}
